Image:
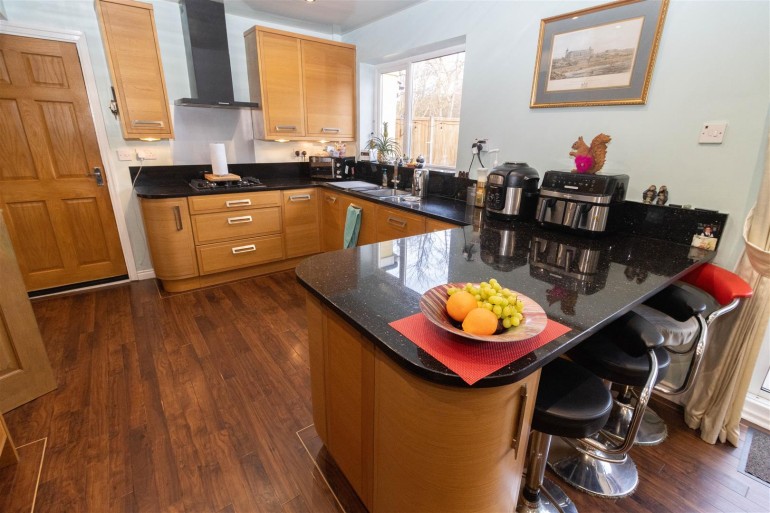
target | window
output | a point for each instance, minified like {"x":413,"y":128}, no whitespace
{"x":420,"y":100}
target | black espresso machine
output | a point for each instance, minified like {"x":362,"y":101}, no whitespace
{"x":580,"y":203}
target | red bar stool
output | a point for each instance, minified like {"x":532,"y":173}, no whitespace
{"x":709,"y":293}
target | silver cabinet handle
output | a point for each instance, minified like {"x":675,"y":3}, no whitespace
{"x":278,"y":128}
{"x":300,"y":197}
{"x":331,"y":199}
{"x":239,"y":220}
{"x":396,"y":221}
{"x":178,"y":218}
{"x":244,"y":249}
{"x":238,"y":203}
{"x":146,"y":122}
{"x":327,"y":129}
{"x":517,"y":434}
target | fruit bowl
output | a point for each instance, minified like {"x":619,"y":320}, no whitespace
{"x":433,"y":306}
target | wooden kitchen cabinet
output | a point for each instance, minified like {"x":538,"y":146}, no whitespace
{"x":133,"y":56}
{"x":434,"y":225}
{"x":329,"y":74}
{"x":367,"y":233}
{"x":305,"y":86}
{"x":301,"y":228}
{"x":395,"y":224}
{"x":170,"y":237}
{"x":332,"y":220}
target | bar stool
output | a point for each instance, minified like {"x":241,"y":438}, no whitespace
{"x":679,"y":312}
{"x":570,"y":402}
{"x":626,"y":352}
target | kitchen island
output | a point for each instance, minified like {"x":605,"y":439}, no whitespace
{"x":408,"y":433}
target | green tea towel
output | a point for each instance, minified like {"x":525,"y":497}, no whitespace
{"x":352,"y":226}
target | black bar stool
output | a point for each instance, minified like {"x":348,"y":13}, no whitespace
{"x":702,"y":296}
{"x":626,"y":352}
{"x":570,"y":402}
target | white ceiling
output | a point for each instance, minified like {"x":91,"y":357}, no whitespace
{"x":339,"y":16}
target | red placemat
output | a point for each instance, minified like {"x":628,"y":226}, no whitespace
{"x":470,"y":359}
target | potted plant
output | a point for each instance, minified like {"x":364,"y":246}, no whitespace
{"x":387,"y":148}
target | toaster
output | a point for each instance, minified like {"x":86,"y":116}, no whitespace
{"x":511,"y":191}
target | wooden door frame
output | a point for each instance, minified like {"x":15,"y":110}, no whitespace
{"x":78,"y":38}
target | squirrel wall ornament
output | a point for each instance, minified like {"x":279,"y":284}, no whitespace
{"x":590,"y":159}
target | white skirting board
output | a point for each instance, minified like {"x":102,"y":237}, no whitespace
{"x":145,"y":275}
{"x":757,"y":411}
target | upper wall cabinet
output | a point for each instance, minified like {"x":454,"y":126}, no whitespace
{"x":133,"y":55}
{"x":306,"y":85}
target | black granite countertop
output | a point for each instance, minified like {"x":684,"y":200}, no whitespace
{"x":581,"y":283}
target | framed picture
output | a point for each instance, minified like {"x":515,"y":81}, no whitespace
{"x":707,"y":236}
{"x":603,"y":55}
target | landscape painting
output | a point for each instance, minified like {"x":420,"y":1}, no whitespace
{"x":602,"y":55}
{"x":597,"y":57}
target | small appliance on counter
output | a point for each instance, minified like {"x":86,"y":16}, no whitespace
{"x":332,"y":169}
{"x":511,"y":191}
{"x":420,"y":182}
{"x":581,"y":203}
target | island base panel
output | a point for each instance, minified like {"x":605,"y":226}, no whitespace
{"x":408,"y":444}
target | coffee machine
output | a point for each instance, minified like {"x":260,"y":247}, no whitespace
{"x":587,"y":204}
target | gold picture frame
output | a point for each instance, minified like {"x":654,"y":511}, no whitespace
{"x":602,"y":55}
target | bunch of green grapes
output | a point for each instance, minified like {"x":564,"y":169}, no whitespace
{"x":505,"y":304}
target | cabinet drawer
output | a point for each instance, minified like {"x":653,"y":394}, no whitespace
{"x":214,"y":258}
{"x":230,"y":202}
{"x":236,"y":225}
{"x":394,"y":224}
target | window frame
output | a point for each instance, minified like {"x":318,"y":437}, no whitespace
{"x":406,"y":64}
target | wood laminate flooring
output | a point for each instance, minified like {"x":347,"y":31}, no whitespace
{"x":200,"y":402}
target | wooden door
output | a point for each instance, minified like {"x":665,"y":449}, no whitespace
{"x":60,"y":220}
{"x":25,"y":372}
{"x":332,"y":223}
{"x":170,"y":237}
{"x":329,"y":76}
{"x":367,"y":233}
{"x":300,"y":222}
{"x":280,"y":76}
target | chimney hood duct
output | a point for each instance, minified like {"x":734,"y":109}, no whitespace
{"x":208,"y":56}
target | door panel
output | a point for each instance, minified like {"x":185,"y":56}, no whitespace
{"x":60,"y":221}
{"x":45,"y":70}
{"x":64,"y":135}
{"x":4,"y":78}
{"x":38,"y":251}
{"x":16,"y":161}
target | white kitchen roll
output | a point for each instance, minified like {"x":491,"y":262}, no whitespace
{"x":218,"y":159}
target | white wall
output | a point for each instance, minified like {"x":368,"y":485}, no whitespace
{"x":194,"y":127}
{"x":713,"y":64}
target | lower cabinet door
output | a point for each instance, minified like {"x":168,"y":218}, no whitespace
{"x":214,"y":258}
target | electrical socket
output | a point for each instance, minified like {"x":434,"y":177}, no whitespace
{"x":146,"y":154}
{"x":124,"y":154}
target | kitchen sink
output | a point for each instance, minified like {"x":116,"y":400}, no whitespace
{"x":384,"y":193}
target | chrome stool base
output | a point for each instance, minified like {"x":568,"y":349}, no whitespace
{"x":552,"y":500}
{"x":652,"y":430}
{"x":593,"y":472}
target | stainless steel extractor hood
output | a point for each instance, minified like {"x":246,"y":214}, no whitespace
{"x":208,"y":56}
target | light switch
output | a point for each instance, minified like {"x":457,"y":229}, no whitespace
{"x":712,"y":133}
{"x":125,"y":154}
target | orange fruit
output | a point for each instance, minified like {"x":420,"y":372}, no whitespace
{"x":459,"y":304}
{"x":480,"y":321}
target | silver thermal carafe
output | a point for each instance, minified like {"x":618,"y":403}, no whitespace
{"x":511,"y":191}
{"x":588,"y":204}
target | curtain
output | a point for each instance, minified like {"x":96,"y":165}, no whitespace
{"x":716,"y":400}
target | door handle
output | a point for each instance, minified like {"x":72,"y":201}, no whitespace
{"x":178,"y":218}
{"x":326,"y":129}
{"x":285,"y":127}
{"x":397,"y":222}
{"x":146,"y":122}
{"x":331,"y":199}
{"x":300,"y":197}
{"x":97,"y":174}
{"x":237,"y":203}
{"x":244,"y":249}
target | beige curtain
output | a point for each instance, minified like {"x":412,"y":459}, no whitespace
{"x":715,"y":403}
